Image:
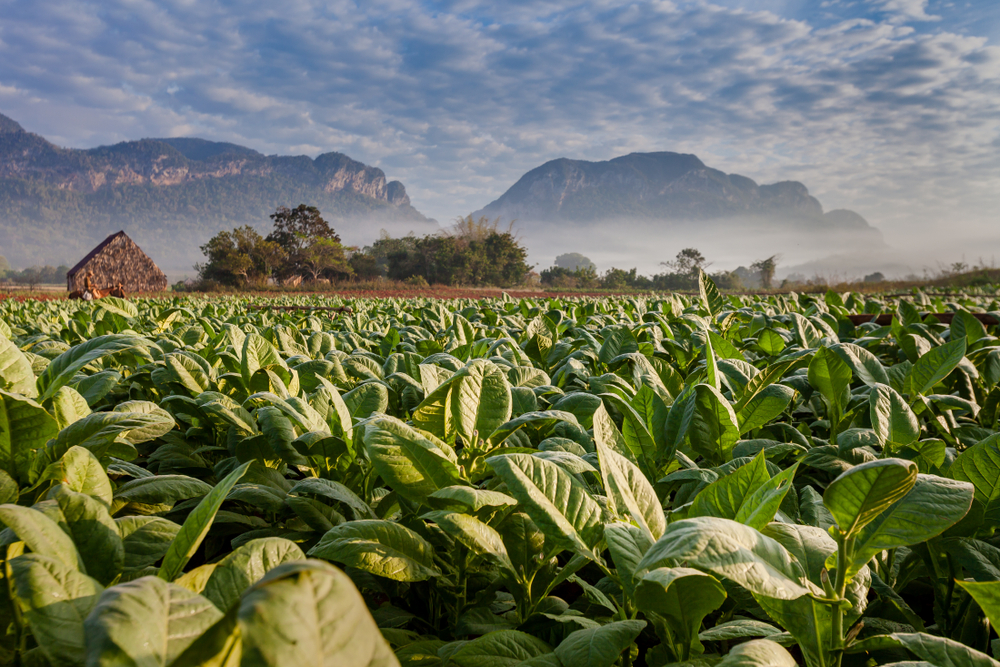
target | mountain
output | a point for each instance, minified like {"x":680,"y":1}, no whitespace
{"x":171,"y":195}
{"x":640,"y":209}
{"x":655,"y":186}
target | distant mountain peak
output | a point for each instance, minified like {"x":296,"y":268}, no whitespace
{"x":655,"y":186}
{"x":9,"y":125}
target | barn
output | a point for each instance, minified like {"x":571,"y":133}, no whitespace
{"x":117,"y":260}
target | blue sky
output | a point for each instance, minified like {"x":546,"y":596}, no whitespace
{"x":887,"y":107}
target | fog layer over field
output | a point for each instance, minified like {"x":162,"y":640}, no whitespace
{"x":808,"y":251}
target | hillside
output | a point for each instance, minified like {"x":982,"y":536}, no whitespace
{"x":657,"y":186}
{"x":171,"y":195}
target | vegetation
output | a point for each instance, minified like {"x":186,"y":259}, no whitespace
{"x":689,"y":481}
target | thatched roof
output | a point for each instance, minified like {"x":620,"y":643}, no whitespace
{"x":118,"y":260}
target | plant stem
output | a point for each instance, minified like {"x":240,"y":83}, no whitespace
{"x":844,"y":549}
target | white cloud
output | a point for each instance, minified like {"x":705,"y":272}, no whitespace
{"x":886,"y":112}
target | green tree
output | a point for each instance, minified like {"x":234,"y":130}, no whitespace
{"x":688,"y":262}
{"x":297,"y":231}
{"x":240,"y":257}
{"x":766,"y":268}
{"x":574,"y":261}
{"x":324,"y":257}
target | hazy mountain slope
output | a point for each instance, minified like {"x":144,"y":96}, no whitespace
{"x":171,"y":195}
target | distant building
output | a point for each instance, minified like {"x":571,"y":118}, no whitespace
{"x":117,"y":260}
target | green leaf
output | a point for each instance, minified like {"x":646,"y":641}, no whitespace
{"x":860,"y":494}
{"x":558,"y":503}
{"x":16,"y":375}
{"x":501,"y":648}
{"x":80,"y":471}
{"x":683,"y":597}
{"x":245,"y":566}
{"x":475,"y":535}
{"x":367,"y":399}
{"x":726,"y":496}
{"x":831,"y":377}
{"x":94,"y":533}
{"x":710,"y":296}
{"x":715,"y":428}
{"x":619,"y":340}
{"x":411,"y":464}
{"x":63,"y":368}
{"x":25,"y":427}
{"x":334,"y":491}
{"x":258,"y":353}
{"x":758,"y":653}
{"x":765,"y":406}
{"x":628,"y":489}
{"x":729,"y":550}
{"x":196,"y":526}
{"x":892,"y":418}
{"x":306,"y":613}
{"x":55,"y":600}
{"x":932,"y":505}
{"x":468,"y":499}
{"x":762,"y":505}
{"x":146,"y":539}
{"x":159,"y":490}
{"x":987,"y":596}
{"x":598,"y":647}
{"x":936,"y":365}
{"x":146,"y":622}
{"x":938,"y":651}
{"x":41,"y":534}
{"x":627,"y":544}
{"x":384,"y":548}
{"x":980,"y":465}
{"x":68,"y":406}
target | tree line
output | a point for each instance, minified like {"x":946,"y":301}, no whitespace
{"x":302,"y":247}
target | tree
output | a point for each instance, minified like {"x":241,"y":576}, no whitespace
{"x":324,"y":256}
{"x":766,"y":268}
{"x":574,"y":261}
{"x":296,"y":231}
{"x":688,"y":262}
{"x":240,"y":257}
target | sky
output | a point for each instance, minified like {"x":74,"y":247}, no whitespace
{"x":888,"y":107}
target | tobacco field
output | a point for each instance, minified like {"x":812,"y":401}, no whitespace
{"x":544,"y":482}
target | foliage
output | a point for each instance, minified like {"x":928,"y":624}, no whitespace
{"x":574,"y":261}
{"x":765,"y":269}
{"x":240,"y":257}
{"x":690,"y":480}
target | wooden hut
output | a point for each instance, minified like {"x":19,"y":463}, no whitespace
{"x":118,"y":260}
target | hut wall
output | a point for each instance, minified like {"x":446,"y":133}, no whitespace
{"x":120,"y":260}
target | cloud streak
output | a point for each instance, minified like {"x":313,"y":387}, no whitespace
{"x":890,"y":108}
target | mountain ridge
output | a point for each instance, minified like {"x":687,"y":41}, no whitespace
{"x":172,"y":194}
{"x":656,"y":186}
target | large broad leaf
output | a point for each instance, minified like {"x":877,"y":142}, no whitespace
{"x":473,"y":403}
{"x":600,"y":646}
{"x":68,"y":406}
{"x":936,"y":365}
{"x":412,"y":464}
{"x":725,"y":497}
{"x":25,"y":427}
{"x":629,"y":490}
{"x":766,"y":405}
{"x":94,"y":533}
{"x":619,"y":340}
{"x":713,"y":301}
{"x":159,"y":490}
{"x":763,"y":504}
{"x":980,"y":465}
{"x":859,"y":495}
{"x":502,"y":648}
{"x":245,"y":566}
{"x":715,"y":428}
{"x":479,"y":537}
{"x":337,"y":492}
{"x":367,"y":399}
{"x":196,"y":526}
{"x":831,"y":377}
{"x":63,"y":368}
{"x":55,"y":600}
{"x":892,"y":418}
{"x":16,"y":375}
{"x":682,"y":597}
{"x":931,"y":506}
{"x":384,"y":548}
{"x":41,"y":534}
{"x":730,"y":550}
{"x":627,"y":544}
{"x":80,"y":471}
{"x":939,"y":651}
{"x":987,"y":596}
{"x":864,"y":364}
{"x":146,"y":539}
{"x":146,"y":622}
{"x":558,"y":503}
{"x":258,"y":353}
{"x":301,"y":613}
{"x":758,"y":653}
